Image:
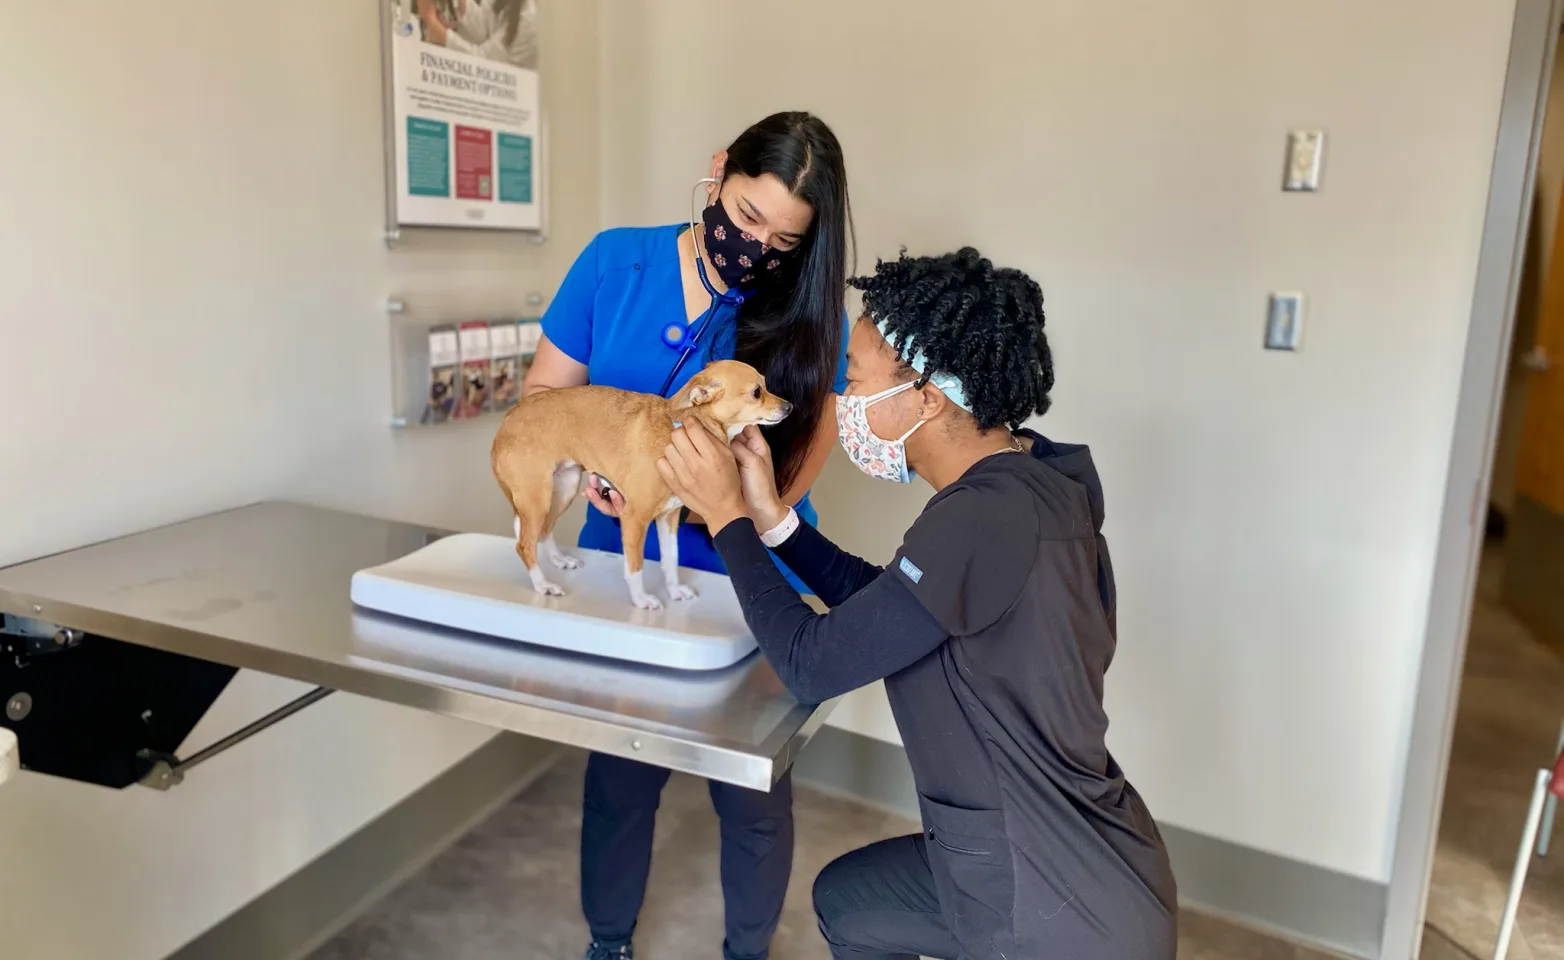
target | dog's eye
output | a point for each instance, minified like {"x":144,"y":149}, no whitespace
{"x":755,"y":393}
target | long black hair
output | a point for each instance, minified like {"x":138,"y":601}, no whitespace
{"x":790,"y":329}
{"x":982,"y":324}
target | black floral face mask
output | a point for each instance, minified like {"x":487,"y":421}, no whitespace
{"x":739,"y":258}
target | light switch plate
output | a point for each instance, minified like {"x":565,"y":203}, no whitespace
{"x":1284,"y":321}
{"x":1305,"y":157}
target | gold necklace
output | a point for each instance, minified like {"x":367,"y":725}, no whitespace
{"x":1015,"y":447}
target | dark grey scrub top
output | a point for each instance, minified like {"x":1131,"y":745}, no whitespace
{"x":992,"y":627}
{"x":1004,"y":723}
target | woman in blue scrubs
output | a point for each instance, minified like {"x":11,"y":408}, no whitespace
{"x":760,"y":278}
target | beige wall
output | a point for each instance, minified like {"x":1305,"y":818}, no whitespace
{"x":192,"y":280}
{"x":191,"y":290}
{"x":1273,"y":517}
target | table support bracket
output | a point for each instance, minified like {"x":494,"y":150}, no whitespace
{"x":167,"y":770}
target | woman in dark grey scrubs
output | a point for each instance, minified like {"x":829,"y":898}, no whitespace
{"x":992,"y":627}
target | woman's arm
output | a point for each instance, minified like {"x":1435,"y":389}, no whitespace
{"x":831,"y":572}
{"x":552,"y":369}
{"x":880,"y":630}
{"x":877,"y":631}
{"x":565,"y":347}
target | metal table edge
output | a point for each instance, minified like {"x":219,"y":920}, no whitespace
{"x":787,"y":753}
{"x":755,"y":767}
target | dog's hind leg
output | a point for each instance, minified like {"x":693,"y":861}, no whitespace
{"x":668,"y":547}
{"x":531,"y":514}
{"x":567,"y":481}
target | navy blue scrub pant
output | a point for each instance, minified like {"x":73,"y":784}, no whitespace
{"x":619,"y":815}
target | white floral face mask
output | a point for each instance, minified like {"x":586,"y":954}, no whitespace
{"x":882,"y":459}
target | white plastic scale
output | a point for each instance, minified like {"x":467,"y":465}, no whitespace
{"x":475,"y":582}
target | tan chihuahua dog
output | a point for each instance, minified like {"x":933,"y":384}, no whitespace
{"x":551,"y":438}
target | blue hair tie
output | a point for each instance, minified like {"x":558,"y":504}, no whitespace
{"x":949,"y":384}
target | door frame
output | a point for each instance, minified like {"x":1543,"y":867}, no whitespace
{"x":1534,"y":38}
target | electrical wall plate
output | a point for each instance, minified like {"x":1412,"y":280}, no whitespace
{"x":1284,"y":321}
{"x":1305,"y":157}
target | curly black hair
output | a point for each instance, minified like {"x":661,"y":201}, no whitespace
{"x":978,"y":323}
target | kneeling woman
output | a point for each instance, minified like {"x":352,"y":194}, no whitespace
{"x":992,"y":628}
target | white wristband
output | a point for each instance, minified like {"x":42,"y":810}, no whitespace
{"x":778,"y":534}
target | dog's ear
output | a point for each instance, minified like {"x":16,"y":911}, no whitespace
{"x":699,"y":391}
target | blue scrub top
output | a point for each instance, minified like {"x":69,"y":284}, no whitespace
{"x":609,"y":314}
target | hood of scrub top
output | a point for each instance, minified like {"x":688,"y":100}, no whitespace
{"x":1073,"y":460}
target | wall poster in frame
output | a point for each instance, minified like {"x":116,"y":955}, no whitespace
{"x":463,"y":128}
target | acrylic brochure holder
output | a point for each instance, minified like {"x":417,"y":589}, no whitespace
{"x":475,"y":583}
{"x":435,"y":354}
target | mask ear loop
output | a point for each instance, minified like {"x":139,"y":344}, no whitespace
{"x":886,"y":395}
{"x":918,"y":385}
{"x":912,"y":431}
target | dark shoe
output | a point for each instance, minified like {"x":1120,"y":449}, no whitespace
{"x":597,"y":951}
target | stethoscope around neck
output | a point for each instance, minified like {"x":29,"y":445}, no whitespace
{"x":686,"y":337}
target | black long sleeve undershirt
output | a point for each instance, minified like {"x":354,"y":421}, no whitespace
{"x":831,"y":572}
{"x":875,"y":627}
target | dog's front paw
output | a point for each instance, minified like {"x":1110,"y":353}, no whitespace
{"x":646,"y":601}
{"x":679,"y":591}
{"x":565,"y":561}
{"x":544,"y":587}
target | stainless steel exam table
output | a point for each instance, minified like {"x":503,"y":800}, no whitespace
{"x":110,"y":653}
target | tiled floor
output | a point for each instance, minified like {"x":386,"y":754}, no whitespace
{"x":508,"y":889}
{"x":1512,"y":701}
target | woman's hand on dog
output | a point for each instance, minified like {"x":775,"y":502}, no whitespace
{"x":758,"y":479}
{"x":701,"y":470}
{"x":610,"y":504}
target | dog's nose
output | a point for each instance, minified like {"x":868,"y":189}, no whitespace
{"x":787,"y":408}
